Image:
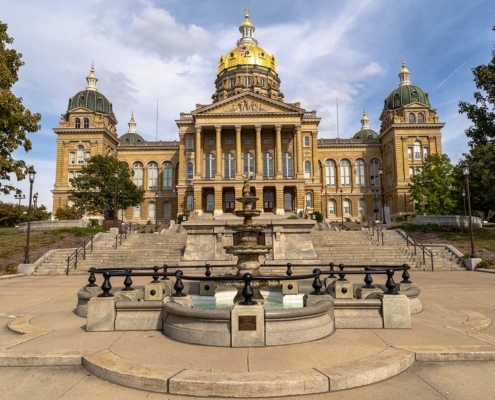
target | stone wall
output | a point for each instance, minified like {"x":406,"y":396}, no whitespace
{"x":460,"y":221}
{"x":37,"y":226}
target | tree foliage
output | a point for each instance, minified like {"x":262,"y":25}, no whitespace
{"x":67,"y":212}
{"x":13,"y":214}
{"x":95,"y":188}
{"x":15,"y":119}
{"x":431,"y":188}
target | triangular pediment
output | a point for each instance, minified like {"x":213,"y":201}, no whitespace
{"x":248,"y":103}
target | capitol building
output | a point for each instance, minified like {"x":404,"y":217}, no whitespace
{"x":249,"y":129}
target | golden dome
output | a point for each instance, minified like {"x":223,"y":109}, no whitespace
{"x":248,"y":55}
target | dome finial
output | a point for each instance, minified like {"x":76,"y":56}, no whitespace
{"x":246,"y":12}
{"x":365,"y":123}
{"x":91,"y":79}
{"x":404,"y":74}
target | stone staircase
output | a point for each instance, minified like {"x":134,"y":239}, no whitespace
{"x":361,"y":248}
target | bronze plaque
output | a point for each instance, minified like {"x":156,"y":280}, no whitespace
{"x":247,"y":322}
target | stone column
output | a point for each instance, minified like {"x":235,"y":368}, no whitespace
{"x":279,"y":200}
{"x":197,"y":152}
{"x":182,"y":159}
{"x":314,"y":153}
{"x":218,"y":210}
{"x":299,"y":167}
{"x":198,"y":200}
{"x":300,"y":199}
{"x":278,"y":150}
{"x":219,"y":159}
{"x":259,"y":169}
{"x":238,"y":151}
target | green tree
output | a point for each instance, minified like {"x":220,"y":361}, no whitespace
{"x":10,"y":214}
{"x":431,"y":188}
{"x":15,"y":119}
{"x":40,"y":214}
{"x":95,"y":188}
{"x":72,"y":213}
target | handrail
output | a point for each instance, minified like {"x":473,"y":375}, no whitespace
{"x":417,"y":243}
{"x":123,"y":235}
{"x":74,"y":256}
{"x":378,"y":233}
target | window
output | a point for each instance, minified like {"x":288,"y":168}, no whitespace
{"x":137,"y":211}
{"x":287,"y":201}
{"x":359,"y":172}
{"x":138,"y":174}
{"x":347,"y":206}
{"x":267,"y":165}
{"x":248,"y":141}
{"x":417,"y":150}
{"x":330,"y":173}
{"x":167,"y":209}
{"x":307,"y":169}
{"x":331,"y":207}
{"x":190,"y":143}
{"x":306,"y":141}
{"x":71,"y":176}
{"x":345,"y":172}
{"x":77,"y":123}
{"x":210,"y":142}
{"x":229,"y":141}
{"x":229,"y":166}
{"x":412,"y":119}
{"x":189,"y":170}
{"x":87,"y":155}
{"x":262,"y":80}
{"x":426,"y":152}
{"x":210,"y":166}
{"x":285,"y":140}
{"x":232,"y":82}
{"x":267,"y":140}
{"x":167,"y":175}
{"x":410,"y":153}
{"x":248,"y":79}
{"x":362,"y":207}
{"x":72,"y":158}
{"x":152,"y":176}
{"x":86,"y":123}
{"x":80,"y":154}
{"x":248,"y":167}
{"x":151,"y":210}
{"x":376,"y":207}
{"x":210,"y":202}
{"x":375,"y":173}
{"x":309,"y":200}
{"x":189,"y":202}
{"x":421,"y":118}
{"x":411,"y":172}
{"x":287,"y":165}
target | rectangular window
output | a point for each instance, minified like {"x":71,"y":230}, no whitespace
{"x":267,"y":140}
{"x":87,"y":156}
{"x":248,"y":141}
{"x":137,"y":211}
{"x":72,"y":158}
{"x":410,"y":153}
{"x":71,"y":176}
{"x":411,"y":172}
{"x":426,"y":152}
{"x":285,"y":140}
{"x":229,"y":141}
{"x":210,"y":142}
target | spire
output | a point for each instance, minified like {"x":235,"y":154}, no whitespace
{"x":91,"y":79}
{"x":247,"y":29}
{"x":365,"y":122}
{"x":404,"y":74}
{"x":132,"y":124}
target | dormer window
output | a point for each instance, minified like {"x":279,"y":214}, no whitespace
{"x":246,"y":53}
{"x":77,"y":123}
{"x":262,"y":55}
{"x":232,"y":55}
{"x":421,"y":118}
{"x":412,"y":119}
{"x":86,"y":123}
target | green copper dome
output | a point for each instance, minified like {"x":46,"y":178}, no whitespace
{"x":91,"y":99}
{"x":365,"y":134}
{"x":131,"y":137}
{"x":405,"y":94}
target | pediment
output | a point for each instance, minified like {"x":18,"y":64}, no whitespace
{"x":248,"y":103}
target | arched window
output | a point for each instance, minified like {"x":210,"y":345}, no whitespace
{"x":189,"y":202}
{"x":267,"y":165}
{"x":138,"y":174}
{"x":151,"y":210}
{"x":77,"y":123}
{"x":306,"y":141}
{"x":417,"y":150}
{"x":210,"y":166}
{"x":167,"y":209}
{"x":80,"y":154}
{"x":287,"y":165}
{"x":347,"y":206}
{"x":331,"y":207}
{"x":189,"y":170}
{"x":375,"y":173}
{"x":190,"y":143}
{"x":362,"y":207}
{"x":421,"y":118}
{"x":397,"y":100}
{"x":210,"y":202}
{"x":248,"y":167}
{"x":137,"y":211}
{"x":309,"y":200}
{"x":359,"y":172}
{"x":330,"y":173}
{"x":152,"y":176}
{"x":167,"y":175}
{"x":86,"y":123}
{"x":229,"y":166}
{"x":412,"y":119}
{"x":345,"y":173}
{"x":307,"y":169}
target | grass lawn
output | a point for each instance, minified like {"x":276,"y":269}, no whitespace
{"x":484,"y":238}
{"x":14,"y":242}
{"x":7,"y":231}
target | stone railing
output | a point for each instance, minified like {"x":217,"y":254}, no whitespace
{"x":37,"y":226}
{"x":460,"y":221}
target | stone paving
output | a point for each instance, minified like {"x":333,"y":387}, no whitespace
{"x":455,"y":325}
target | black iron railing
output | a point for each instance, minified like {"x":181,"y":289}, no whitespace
{"x":126,"y":229}
{"x":79,"y":253}
{"x":416,"y":243}
{"x":379,"y":233}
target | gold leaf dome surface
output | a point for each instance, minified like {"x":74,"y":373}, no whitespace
{"x":248,"y":55}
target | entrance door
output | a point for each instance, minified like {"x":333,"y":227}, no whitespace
{"x":268,"y":198}
{"x":229,"y":203}
{"x":210,"y":202}
{"x":288,"y":202}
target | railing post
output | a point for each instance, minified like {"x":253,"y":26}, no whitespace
{"x":106,"y":286}
{"x":424,"y":259}
{"x":414,"y":246}
{"x":247,"y":292}
{"x":390,"y":284}
{"x":341,"y":273}
{"x":289,"y":269}
{"x":331,"y":270}
{"x":128,"y":281}
{"x":165,"y":271}
{"x":368,"y":279}
{"x":383,"y":239}
{"x":207,"y":272}
{"x":92,"y":278}
{"x":67,"y":270}
{"x":92,"y":237}
{"x":75,"y":263}
{"x":179,"y":286}
{"x":431,"y":255}
{"x":317,"y":285}
{"x":84,"y":250}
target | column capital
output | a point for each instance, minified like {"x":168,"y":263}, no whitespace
{"x":198,"y":128}
{"x":218,"y":128}
{"x":258,"y":128}
{"x":314,"y":134}
{"x":404,"y":138}
{"x":297,"y":127}
{"x":278,"y":128}
{"x":238,"y":128}
{"x":182,"y":135}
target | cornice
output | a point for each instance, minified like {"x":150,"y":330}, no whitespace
{"x":438,"y":125}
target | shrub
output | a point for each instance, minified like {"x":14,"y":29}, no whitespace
{"x":483,"y":264}
{"x":148,"y":223}
{"x":70,"y":213}
{"x":347,"y":219}
{"x":358,"y":222}
{"x":399,"y":218}
{"x":317,"y":216}
{"x":11,"y":269}
{"x":180,"y":217}
{"x":79,"y":231}
{"x":293,"y":217}
{"x":152,"y":231}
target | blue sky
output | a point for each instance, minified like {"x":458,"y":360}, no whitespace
{"x":168,"y":50}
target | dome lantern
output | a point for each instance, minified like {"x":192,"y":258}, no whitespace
{"x":404,"y":74}
{"x":91,"y":79}
{"x":365,"y":122}
{"x":365,"y":132}
{"x":132,"y":124}
{"x":131,"y":136}
{"x":247,"y":29}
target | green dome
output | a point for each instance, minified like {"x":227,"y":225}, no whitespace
{"x":91,"y":99}
{"x":365,"y":134}
{"x":405,"y":94}
{"x":131,"y":137}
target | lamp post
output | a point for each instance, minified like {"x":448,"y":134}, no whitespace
{"x":156,"y":212}
{"x":123,"y":209}
{"x":380,"y":170}
{"x":116,"y":175}
{"x":31,"y":174}
{"x":342,"y":207}
{"x":464,"y":200}
{"x":374,"y":206}
{"x":35,"y":201}
{"x":19,"y":197}
{"x":326,"y":203}
{"x":465,"y":170}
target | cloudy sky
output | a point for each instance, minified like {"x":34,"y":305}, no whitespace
{"x":168,"y":50}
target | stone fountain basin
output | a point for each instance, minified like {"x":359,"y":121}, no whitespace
{"x":247,"y":213}
{"x":282,"y":327}
{"x":248,"y":228}
{"x":240,"y":250}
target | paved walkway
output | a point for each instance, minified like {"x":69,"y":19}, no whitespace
{"x":458,"y":308}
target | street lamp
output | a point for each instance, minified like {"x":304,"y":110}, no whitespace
{"x":116,"y":175}
{"x":19,"y":197}
{"x":31,"y":174}
{"x":375,"y":207}
{"x":123,"y":209}
{"x":35,"y":201}
{"x":465,"y":170}
{"x":326,"y":203}
{"x":380,"y":171}
{"x":464,"y":200}
{"x":342,"y":207}
{"x":156,"y":213}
